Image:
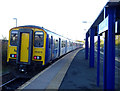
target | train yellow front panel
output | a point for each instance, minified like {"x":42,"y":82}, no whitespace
{"x":24,"y":47}
{"x":11,"y":50}
{"x":40,"y":51}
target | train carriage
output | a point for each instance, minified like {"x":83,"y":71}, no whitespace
{"x":34,"y":45}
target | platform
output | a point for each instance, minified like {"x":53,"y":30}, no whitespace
{"x":70,"y":72}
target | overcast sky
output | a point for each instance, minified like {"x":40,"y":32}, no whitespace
{"x":61,"y":16}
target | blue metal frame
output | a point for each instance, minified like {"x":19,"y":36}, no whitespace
{"x":91,"y":60}
{"x":105,"y":60}
{"x":110,"y":84}
{"x":98,"y":60}
{"x":111,"y":12}
{"x":109,"y":51}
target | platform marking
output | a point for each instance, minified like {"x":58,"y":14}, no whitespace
{"x":36,"y":76}
{"x":57,"y":80}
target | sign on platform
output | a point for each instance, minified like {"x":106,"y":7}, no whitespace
{"x":103,"y":26}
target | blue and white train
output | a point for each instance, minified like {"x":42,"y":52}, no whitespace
{"x":31,"y":45}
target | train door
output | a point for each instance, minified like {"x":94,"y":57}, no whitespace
{"x":24,"y":48}
{"x":66,"y":46}
{"x":51,"y":47}
{"x":59,"y":47}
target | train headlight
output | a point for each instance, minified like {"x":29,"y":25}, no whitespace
{"x":13,"y":55}
{"x":22,"y":70}
{"x":35,"y":57}
{"x":38,"y":57}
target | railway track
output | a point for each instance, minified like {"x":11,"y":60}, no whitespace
{"x":10,"y":82}
{"x":7,"y":82}
{"x":13,"y":84}
{"x":6,"y":77}
{"x":117,"y":62}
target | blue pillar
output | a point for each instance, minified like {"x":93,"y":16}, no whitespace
{"x":98,"y":60}
{"x":105,"y":61}
{"x":86,"y":46}
{"x":110,"y":84}
{"x":91,"y":60}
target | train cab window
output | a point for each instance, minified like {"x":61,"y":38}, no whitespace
{"x":14,"y":37}
{"x":39,"y":39}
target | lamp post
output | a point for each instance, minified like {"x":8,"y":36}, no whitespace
{"x":86,"y":22}
{"x":16,"y":21}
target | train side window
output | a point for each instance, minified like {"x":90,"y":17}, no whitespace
{"x":14,"y":37}
{"x":62,"y":44}
{"x":56,"y":44}
{"x":70,"y":43}
{"x":39,"y":39}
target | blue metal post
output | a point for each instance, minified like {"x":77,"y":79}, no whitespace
{"x":86,"y":46}
{"x":98,"y":60}
{"x":105,"y":53}
{"x":110,"y":78}
{"x":92,"y":33}
{"x":104,"y":61}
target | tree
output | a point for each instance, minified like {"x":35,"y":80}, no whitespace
{"x":4,"y":38}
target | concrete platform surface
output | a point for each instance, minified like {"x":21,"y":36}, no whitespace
{"x":52,"y":76}
{"x":79,"y":75}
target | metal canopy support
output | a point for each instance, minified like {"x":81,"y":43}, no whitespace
{"x":109,"y":51}
{"x":91,"y":60}
{"x":98,"y":60}
{"x":105,"y":60}
{"x":86,"y":47}
{"x":110,"y":64}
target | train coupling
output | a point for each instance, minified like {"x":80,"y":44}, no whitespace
{"x":22,"y":68}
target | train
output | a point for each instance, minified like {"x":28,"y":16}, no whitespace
{"x":31,"y":45}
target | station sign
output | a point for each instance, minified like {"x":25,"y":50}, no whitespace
{"x":103,"y":26}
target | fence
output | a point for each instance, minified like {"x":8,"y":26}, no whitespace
{"x":3,"y":51}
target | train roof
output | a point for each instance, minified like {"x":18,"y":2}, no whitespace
{"x":46,"y":30}
{"x":33,"y":26}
